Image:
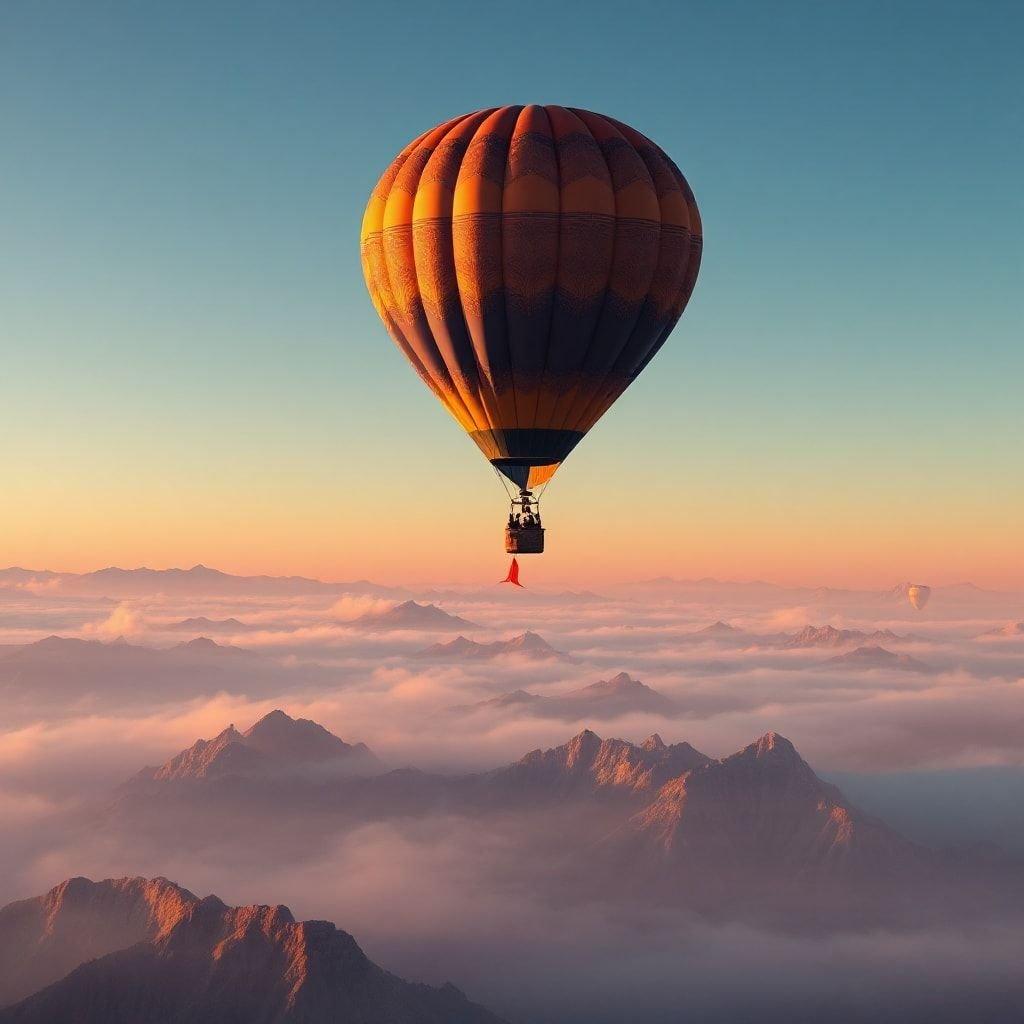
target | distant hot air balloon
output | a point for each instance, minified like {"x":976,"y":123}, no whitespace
{"x":529,"y":262}
{"x":918,"y":594}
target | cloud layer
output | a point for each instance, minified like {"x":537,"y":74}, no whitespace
{"x":83,"y":719}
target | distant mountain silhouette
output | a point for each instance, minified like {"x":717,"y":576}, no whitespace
{"x":56,"y":654}
{"x":755,"y":593}
{"x":707,"y":584}
{"x":526,"y":645}
{"x":119,"y":583}
{"x":878,"y":657}
{"x":202,"y":626}
{"x":276,"y":745}
{"x":533,"y":597}
{"x":57,"y":650}
{"x":829,"y":636}
{"x":15,"y":575}
{"x":135,"y":950}
{"x":515,"y":699}
{"x":57,"y":669}
{"x":1010,"y":629}
{"x":205,"y":645}
{"x":610,"y":698}
{"x":410,"y":615}
{"x":719,"y":629}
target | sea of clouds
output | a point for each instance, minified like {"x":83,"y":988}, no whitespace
{"x":437,"y":898}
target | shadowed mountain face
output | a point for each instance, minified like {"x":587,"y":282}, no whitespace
{"x":130,"y":950}
{"x":527,"y":645}
{"x":276,"y":745}
{"x":757,"y":835}
{"x":410,"y":615}
{"x":764,"y":806}
{"x":609,"y":698}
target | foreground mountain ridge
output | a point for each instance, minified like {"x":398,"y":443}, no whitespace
{"x":148,"y":950}
{"x":44,"y":938}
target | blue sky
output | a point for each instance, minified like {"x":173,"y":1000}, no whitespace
{"x":186,"y":329}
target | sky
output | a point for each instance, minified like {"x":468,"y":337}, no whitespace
{"x":192,"y":370}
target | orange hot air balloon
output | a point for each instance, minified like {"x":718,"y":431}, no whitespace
{"x":529,"y":262}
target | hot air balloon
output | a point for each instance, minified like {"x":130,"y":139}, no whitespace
{"x":529,"y":262}
{"x":918,"y":594}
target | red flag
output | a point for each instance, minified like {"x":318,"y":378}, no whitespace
{"x":513,"y":574}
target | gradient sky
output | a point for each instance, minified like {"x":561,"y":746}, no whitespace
{"x":192,"y":370}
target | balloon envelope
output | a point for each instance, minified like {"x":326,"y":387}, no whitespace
{"x":918,"y":594}
{"x":529,"y":262}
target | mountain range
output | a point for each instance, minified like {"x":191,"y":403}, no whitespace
{"x":724,"y":633}
{"x":752,"y":836}
{"x":58,"y":670}
{"x":607,"y":698}
{"x":531,"y":646}
{"x":200,"y":625}
{"x":411,"y":615}
{"x":829,"y":636}
{"x":133,"y":950}
{"x":121,"y":583}
{"x":1010,"y":629}
{"x":753,"y":593}
{"x":873,"y":657}
{"x":600,"y":816}
{"x":115,"y":582}
{"x":276,"y":745}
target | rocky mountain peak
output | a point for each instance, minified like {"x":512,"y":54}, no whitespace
{"x":276,"y":744}
{"x":623,"y":679}
{"x":582,"y":749}
{"x":771,"y":744}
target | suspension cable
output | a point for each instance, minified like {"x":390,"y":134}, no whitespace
{"x":503,"y":482}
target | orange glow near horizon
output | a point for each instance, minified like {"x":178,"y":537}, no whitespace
{"x":398,"y":541}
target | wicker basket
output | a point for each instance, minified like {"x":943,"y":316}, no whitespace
{"x":524,"y":540}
